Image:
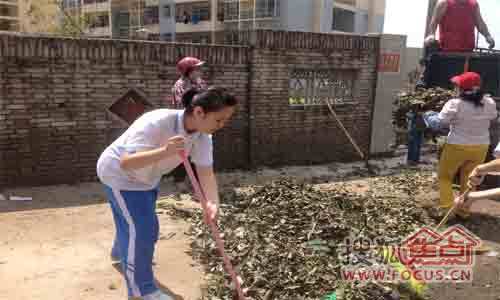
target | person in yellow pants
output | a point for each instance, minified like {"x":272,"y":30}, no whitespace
{"x":455,"y":157}
{"x":468,"y":117}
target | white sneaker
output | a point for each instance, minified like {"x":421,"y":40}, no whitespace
{"x":158,"y":295}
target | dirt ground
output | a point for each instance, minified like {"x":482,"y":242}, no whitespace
{"x":57,"y":245}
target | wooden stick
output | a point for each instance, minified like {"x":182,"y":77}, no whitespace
{"x":213,"y":227}
{"x":448,"y":214}
{"x":446,"y":217}
{"x":345,"y":130}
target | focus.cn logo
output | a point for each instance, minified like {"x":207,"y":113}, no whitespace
{"x":453,"y":248}
{"x":427,"y":256}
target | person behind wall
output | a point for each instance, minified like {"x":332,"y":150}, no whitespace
{"x":457,"y":21}
{"x":416,"y":128}
{"x":131,"y":169}
{"x":468,"y":118}
{"x":190,"y":72}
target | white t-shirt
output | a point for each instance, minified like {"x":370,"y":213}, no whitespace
{"x":469,"y":124}
{"x":496,"y":152}
{"x":151,"y":130}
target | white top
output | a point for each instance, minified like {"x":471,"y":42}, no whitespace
{"x":496,"y":152}
{"x":469,"y":124}
{"x":151,"y":130}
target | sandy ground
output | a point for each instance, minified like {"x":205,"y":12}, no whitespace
{"x":57,"y":245}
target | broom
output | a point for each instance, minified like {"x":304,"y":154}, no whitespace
{"x":353,"y":142}
{"x":415,"y":285}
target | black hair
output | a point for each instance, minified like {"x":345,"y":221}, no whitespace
{"x":212,"y":99}
{"x":189,"y":71}
{"x":474,"y":96}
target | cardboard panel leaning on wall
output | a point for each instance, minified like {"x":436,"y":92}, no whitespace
{"x":55,"y":91}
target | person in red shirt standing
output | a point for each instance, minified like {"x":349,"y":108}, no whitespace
{"x":457,"y":21}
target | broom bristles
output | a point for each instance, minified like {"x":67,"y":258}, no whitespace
{"x":413,"y":284}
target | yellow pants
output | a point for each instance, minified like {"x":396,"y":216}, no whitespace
{"x":453,"y":158}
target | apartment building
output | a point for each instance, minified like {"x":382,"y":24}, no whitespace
{"x":9,"y":15}
{"x":358,"y":16}
{"x":120,"y":18}
{"x":205,"y":21}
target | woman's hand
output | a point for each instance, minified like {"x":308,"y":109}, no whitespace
{"x":210,"y":213}
{"x":476,"y":177}
{"x":174,"y":145}
{"x":460,"y":201}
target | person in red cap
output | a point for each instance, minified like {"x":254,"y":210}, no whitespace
{"x":457,"y":21}
{"x":468,"y":118}
{"x":190,"y":71}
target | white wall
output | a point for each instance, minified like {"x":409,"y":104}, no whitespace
{"x":297,"y":15}
{"x":326,"y":16}
{"x":167,"y":25}
{"x":413,"y":56}
{"x":388,"y":85}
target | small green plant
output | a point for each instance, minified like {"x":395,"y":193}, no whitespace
{"x":296,"y":101}
{"x":332,"y":296}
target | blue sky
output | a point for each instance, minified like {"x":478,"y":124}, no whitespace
{"x":408,"y":17}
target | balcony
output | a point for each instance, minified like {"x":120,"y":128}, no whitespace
{"x":250,"y":10}
{"x":190,"y":27}
{"x":98,"y":6}
{"x":99,"y":31}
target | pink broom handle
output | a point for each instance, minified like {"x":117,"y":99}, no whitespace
{"x":213,"y":228}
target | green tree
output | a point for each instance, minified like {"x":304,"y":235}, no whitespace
{"x":51,"y":17}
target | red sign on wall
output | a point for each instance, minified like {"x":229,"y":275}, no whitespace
{"x":389,"y":63}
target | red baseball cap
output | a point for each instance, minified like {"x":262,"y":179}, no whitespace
{"x":467,"y":80}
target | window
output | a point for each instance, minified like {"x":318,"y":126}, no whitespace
{"x":347,"y":2}
{"x":167,"y":11}
{"x":314,"y":87}
{"x":151,"y":15}
{"x":343,"y":20}
{"x":201,"y":12}
{"x":267,"y":8}
{"x":71,"y":3}
{"x":100,"y":19}
{"x":94,"y":1}
{"x":167,"y":37}
{"x":192,"y":12}
{"x":199,"y":38}
{"x":154,"y":36}
{"x":220,"y":11}
{"x":9,"y":25}
{"x":8,"y":10}
{"x":231,"y":10}
{"x":231,"y":37}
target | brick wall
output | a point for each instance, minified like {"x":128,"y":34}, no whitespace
{"x":54,"y":93}
{"x":282,"y":135}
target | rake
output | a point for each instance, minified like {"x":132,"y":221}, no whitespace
{"x":213,"y":227}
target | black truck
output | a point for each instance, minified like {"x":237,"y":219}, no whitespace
{"x":442,"y":66}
